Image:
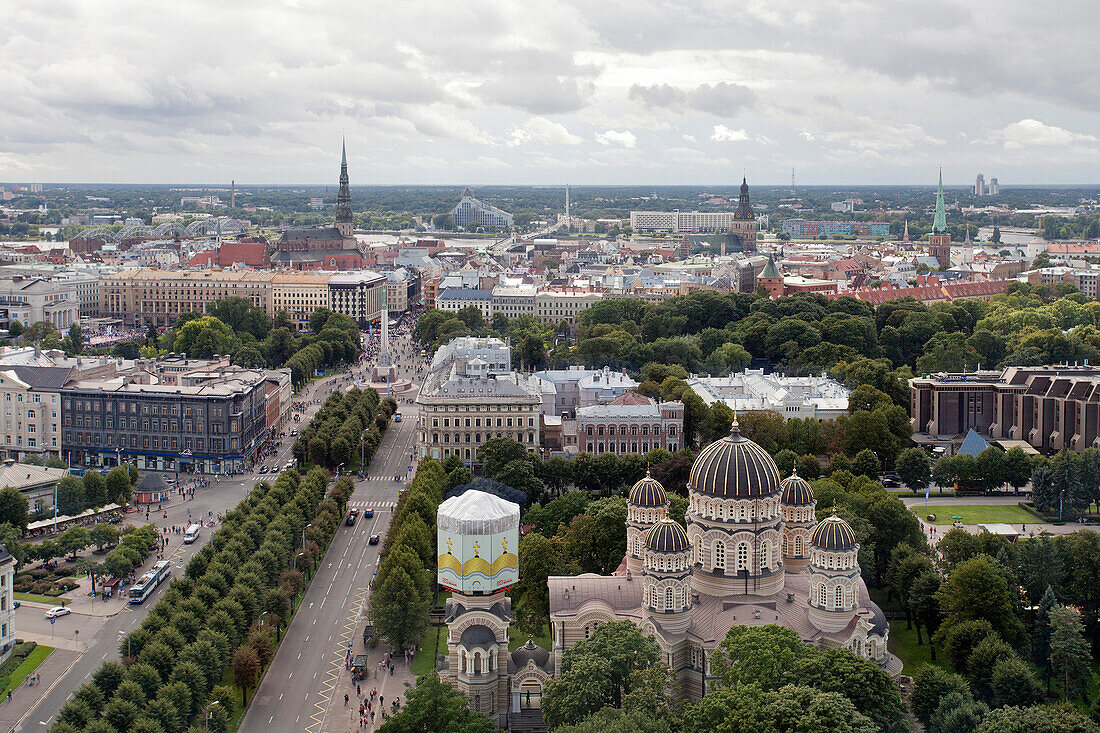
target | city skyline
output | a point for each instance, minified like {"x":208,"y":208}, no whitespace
{"x":541,"y":93}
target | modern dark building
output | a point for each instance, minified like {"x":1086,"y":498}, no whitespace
{"x":1049,"y":408}
{"x":211,"y":424}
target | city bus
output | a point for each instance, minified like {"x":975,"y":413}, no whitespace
{"x":148,"y":583}
{"x":191,"y":533}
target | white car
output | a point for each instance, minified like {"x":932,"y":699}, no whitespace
{"x":57,"y":611}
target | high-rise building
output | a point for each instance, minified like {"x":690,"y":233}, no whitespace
{"x":994,"y":187}
{"x":979,"y":185}
{"x":939,"y":241}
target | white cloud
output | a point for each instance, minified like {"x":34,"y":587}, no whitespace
{"x":544,"y":132}
{"x":1032,"y":133}
{"x":724,"y":134}
{"x":625,"y":138}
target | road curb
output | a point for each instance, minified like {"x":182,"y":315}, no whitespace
{"x":19,"y":723}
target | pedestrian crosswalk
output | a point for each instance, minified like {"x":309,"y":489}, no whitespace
{"x":388,"y":479}
{"x":373,"y":504}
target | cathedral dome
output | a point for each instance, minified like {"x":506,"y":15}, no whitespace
{"x":648,"y":493}
{"x":530,"y":652}
{"x":734,"y":467}
{"x":796,"y":491}
{"x":667,"y":536}
{"x":833,"y":534}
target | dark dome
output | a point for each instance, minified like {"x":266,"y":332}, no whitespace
{"x":667,"y":536}
{"x":648,"y":493}
{"x":734,"y":468}
{"x":796,"y":491}
{"x":530,"y":651}
{"x":478,"y":635}
{"x":833,"y":533}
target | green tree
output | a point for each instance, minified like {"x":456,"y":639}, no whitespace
{"x":1037,"y":719}
{"x":398,"y":613}
{"x":1070,"y":655}
{"x":1013,"y":683}
{"x":866,"y":463}
{"x":977,"y":589}
{"x":70,"y":495}
{"x":74,"y":539}
{"x":95,"y":489}
{"x":931,"y":684}
{"x":118,"y":483}
{"x":13,"y":507}
{"x":914,"y":468}
{"x":433,"y":705}
{"x":75,"y":339}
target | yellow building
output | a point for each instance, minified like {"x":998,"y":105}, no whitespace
{"x":299,"y":293}
{"x":159,"y":297}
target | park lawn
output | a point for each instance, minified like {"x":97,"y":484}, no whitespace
{"x":27,"y":666}
{"x":424,"y":661}
{"x":903,"y":643}
{"x":517,"y":638}
{"x":977,"y":514}
{"x":36,"y":598}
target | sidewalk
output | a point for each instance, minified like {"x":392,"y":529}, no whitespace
{"x":24,"y":698}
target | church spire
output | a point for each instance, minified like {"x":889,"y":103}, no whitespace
{"x":344,"y":217}
{"x":905,"y":236}
{"x":939,"y":221}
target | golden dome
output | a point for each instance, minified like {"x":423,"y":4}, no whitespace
{"x":734,"y":467}
{"x":648,"y":492}
{"x":796,"y":491}
{"x":833,"y":534}
{"x":667,"y":536}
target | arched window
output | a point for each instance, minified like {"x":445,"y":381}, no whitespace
{"x":874,"y":649}
{"x":839,"y":597}
{"x":798,"y":545}
{"x":719,"y":554}
{"x":477,"y":662}
{"x":786,"y":545}
{"x":464,"y":662}
{"x":669,"y":603}
{"x":822,"y":599}
{"x":764,"y":554}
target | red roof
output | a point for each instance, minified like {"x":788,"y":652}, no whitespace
{"x":632,"y":398}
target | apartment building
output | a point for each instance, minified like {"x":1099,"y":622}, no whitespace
{"x":513,"y":301}
{"x":631,"y":423}
{"x":555,"y":306}
{"x":7,"y":603}
{"x":466,"y":401}
{"x":211,"y":424}
{"x":159,"y":297}
{"x":357,"y":294}
{"x":299,"y":294}
{"x":455,"y":299}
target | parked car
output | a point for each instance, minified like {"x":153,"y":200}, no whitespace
{"x":373,"y":539}
{"x":58,"y":611}
{"x":352,"y":516}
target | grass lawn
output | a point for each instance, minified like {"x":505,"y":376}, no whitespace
{"x":36,"y":598}
{"x":517,"y":638}
{"x":977,"y":514}
{"x":27,"y":666}
{"x":903,"y":643}
{"x":424,"y":661}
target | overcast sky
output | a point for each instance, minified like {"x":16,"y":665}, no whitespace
{"x":550,"y":91}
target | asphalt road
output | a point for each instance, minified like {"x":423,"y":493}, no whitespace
{"x":305,"y":684}
{"x":101,"y":633}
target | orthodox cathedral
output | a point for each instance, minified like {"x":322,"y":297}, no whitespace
{"x":753,"y":554}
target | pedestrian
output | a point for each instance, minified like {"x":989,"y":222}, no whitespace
{"x":358,"y":692}
{"x":345,"y":700}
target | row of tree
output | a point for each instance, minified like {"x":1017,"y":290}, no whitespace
{"x":209,"y":621}
{"x":347,"y":428}
{"x":74,"y":494}
{"x":404,"y":588}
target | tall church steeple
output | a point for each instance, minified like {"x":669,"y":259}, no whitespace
{"x":344,"y":219}
{"x":939,"y":241}
{"x":939,"y":221}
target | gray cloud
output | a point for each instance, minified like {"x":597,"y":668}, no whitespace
{"x":721,"y":99}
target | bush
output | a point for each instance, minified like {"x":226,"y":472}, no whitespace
{"x":39,"y":573}
{"x":21,"y":652}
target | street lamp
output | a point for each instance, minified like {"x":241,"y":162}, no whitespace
{"x":300,"y":554}
{"x":265,"y":613}
{"x":304,"y":533}
{"x":210,"y":713}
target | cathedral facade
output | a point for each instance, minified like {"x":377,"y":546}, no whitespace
{"x":752,"y":554}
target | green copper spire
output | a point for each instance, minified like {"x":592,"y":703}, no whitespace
{"x":939,"y":221}
{"x":770,"y":270}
